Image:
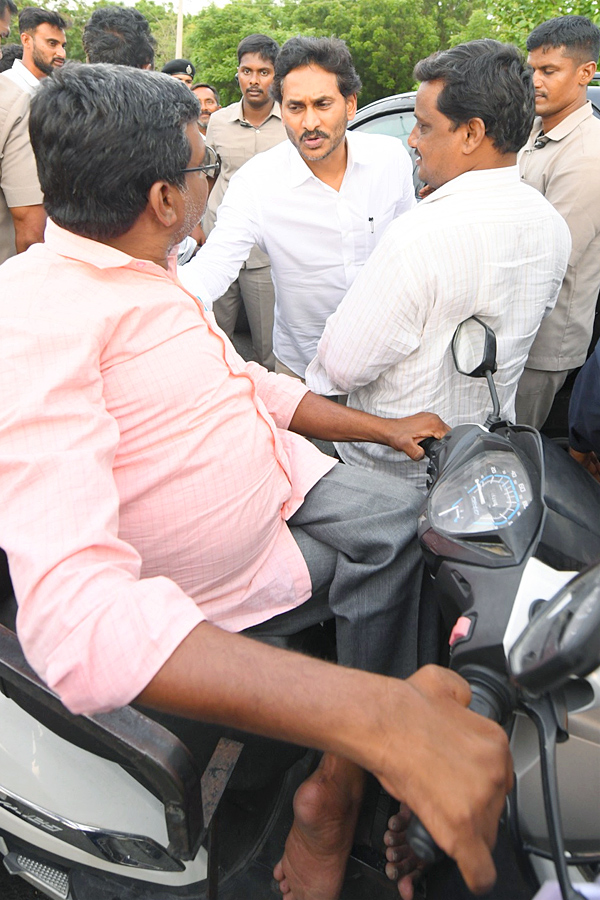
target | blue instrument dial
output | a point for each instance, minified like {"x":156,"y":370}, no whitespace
{"x":488,"y":493}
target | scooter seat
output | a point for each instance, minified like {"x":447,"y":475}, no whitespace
{"x":163,"y":752}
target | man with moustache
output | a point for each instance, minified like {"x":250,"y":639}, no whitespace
{"x":22,"y":216}
{"x":208,"y":98}
{"x":562,"y":160}
{"x":238,"y":132}
{"x":43,"y":37}
{"x":317,"y":203}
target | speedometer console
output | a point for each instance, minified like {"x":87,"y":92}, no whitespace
{"x":488,"y":493}
{"x":486,"y":503}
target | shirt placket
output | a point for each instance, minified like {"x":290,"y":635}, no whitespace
{"x":539,"y":144}
{"x":348,"y":237}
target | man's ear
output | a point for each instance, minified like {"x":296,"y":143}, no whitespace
{"x":474,"y":135}
{"x":586,"y":72}
{"x":351,"y":104}
{"x":165,"y":201}
{"x":26,"y":39}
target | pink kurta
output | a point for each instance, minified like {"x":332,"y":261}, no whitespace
{"x":146,"y":471}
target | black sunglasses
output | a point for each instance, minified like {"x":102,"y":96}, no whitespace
{"x":211,"y":165}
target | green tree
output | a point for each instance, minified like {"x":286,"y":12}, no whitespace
{"x":513,"y":21}
{"x":161,"y":16}
{"x":386,"y":40}
{"x":163,"y":25}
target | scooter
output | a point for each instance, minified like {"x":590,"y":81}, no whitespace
{"x":509,"y":520}
{"x":114,"y":807}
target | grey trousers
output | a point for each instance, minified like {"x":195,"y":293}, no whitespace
{"x":535,"y":395}
{"x":357,"y":532}
{"x":254,"y":288}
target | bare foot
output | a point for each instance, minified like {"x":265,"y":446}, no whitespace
{"x":318,"y":846}
{"x":402,"y":865}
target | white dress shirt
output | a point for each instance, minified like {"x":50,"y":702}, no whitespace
{"x":20,"y":75}
{"x":483,"y":244}
{"x":317,"y":238}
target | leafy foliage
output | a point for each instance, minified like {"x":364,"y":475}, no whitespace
{"x":386,"y":37}
{"x":513,"y":21}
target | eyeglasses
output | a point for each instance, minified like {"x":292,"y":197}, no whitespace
{"x":211,"y":165}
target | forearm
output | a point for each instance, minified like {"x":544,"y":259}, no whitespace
{"x":29,"y":223}
{"x":227,"y":247}
{"x":327,"y":420}
{"x":318,"y":417}
{"x":416,"y":736}
{"x":233,"y":680}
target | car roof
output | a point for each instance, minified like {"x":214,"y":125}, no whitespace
{"x":395,"y":103}
{"x":406,"y":103}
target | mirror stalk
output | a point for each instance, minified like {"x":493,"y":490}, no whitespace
{"x":494,"y":416}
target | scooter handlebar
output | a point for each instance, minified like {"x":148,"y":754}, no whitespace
{"x":421,"y":842}
{"x":427,"y":444}
{"x":485,"y":703}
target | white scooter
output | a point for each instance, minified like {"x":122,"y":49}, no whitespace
{"x":510,"y":519}
{"x":114,"y":807}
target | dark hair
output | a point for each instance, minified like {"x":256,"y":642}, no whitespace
{"x":10,"y":52}
{"x":486,"y":80}
{"x":8,"y":5}
{"x":210,"y":88}
{"x":32,"y":16}
{"x":330,"y":54}
{"x":262,"y":44}
{"x":579,"y":36}
{"x":102,"y":135}
{"x":118,"y":35}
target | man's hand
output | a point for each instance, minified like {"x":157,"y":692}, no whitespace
{"x":457,"y":774}
{"x":451,"y":766}
{"x":319,"y":417}
{"x":405,"y":434}
{"x":198,"y":235}
{"x":589,"y":461}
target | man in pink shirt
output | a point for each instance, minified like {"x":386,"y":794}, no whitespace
{"x":155,"y":486}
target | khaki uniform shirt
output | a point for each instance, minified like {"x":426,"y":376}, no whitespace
{"x":19,"y":185}
{"x":236,"y":141}
{"x":565,"y":167}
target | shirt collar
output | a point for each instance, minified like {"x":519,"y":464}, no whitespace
{"x":24,"y":73}
{"x":474,"y":181}
{"x":236,"y":112}
{"x":101,"y":256}
{"x":567,"y":125}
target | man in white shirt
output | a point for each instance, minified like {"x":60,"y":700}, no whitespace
{"x":43,"y":37}
{"x":481,"y":244}
{"x":316,"y":204}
